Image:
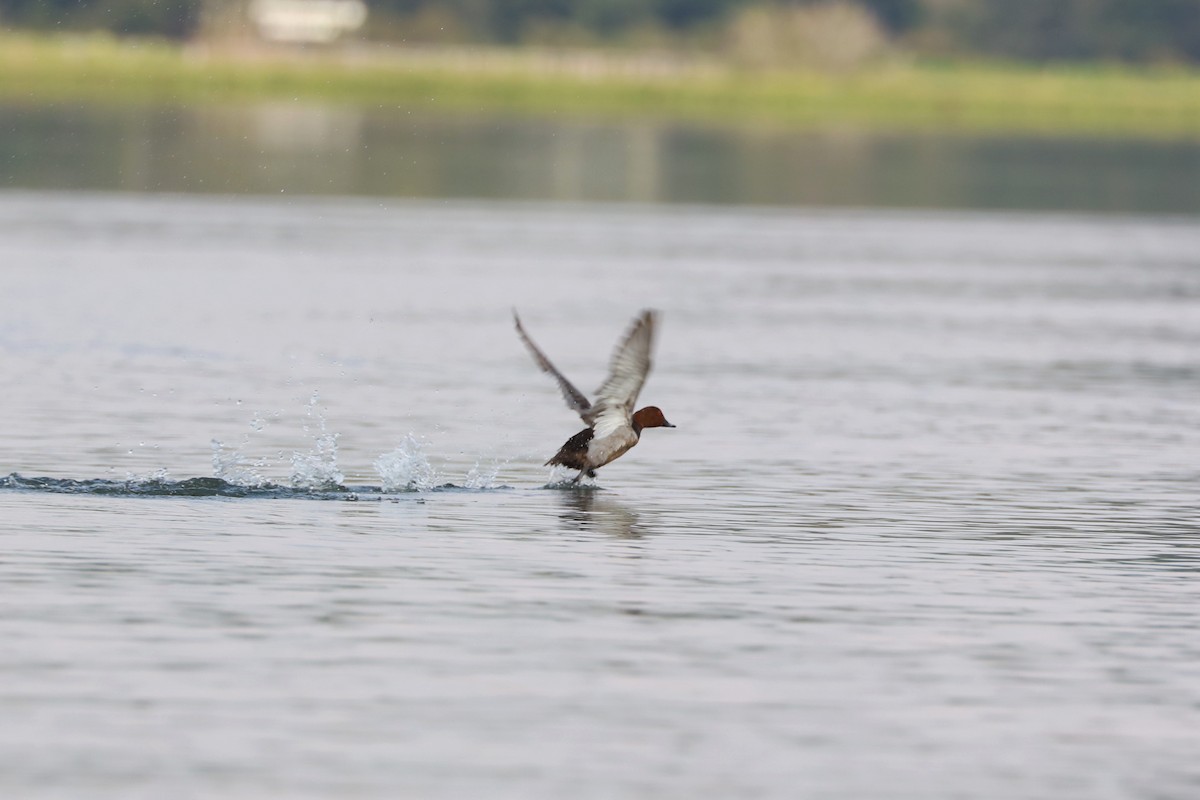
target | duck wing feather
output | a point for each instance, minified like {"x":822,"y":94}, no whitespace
{"x":575,"y":398}
{"x":627,"y":371}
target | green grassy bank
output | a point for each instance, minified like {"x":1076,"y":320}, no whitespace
{"x":965,"y":97}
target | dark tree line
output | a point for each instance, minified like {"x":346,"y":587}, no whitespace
{"x":505,"y":20}
{"x":173,"y":18}
{"x":1133,"y":30}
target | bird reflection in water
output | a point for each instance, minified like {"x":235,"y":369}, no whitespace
{"x":590,"y":510}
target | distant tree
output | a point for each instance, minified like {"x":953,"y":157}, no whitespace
{"x":505,"y":20}
{"x":1148,"y":29}
{"x":682,"y":14}
{"x":836,"y":35}
{"x":508,"y":20}
{"x":895,"y":15}
{"x":176,"y":18}
{"x":1072,"y":29}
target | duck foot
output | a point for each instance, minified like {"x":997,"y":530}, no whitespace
{"x":591,"y":473}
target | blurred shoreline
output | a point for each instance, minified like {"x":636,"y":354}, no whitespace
{"x":969,"y":96}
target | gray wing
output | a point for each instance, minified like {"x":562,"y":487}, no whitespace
{"x":627,"y":373}
{"x":575,"y":398}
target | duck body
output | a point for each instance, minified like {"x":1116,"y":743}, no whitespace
{"x":613,"y":426}
{"x":586,"y":453}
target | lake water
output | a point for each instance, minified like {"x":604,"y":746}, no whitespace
{"x":321,"y":149}
{"x":275,"y":522}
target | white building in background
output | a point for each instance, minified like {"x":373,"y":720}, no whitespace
{"x":307,"y":21}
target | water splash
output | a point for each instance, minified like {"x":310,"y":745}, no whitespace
{"x":567,"y":478}
{"x":317,"y":468}
{"x":159,"y":475}
{"x":481,"y":477}
{"x":230,"y":465}
{"x":406,"y":468}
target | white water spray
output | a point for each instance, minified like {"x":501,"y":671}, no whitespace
{"x":317,"y":468}
{"x":483,"y":477}
{"x":406,"y":468}
{"x":230,"y":465}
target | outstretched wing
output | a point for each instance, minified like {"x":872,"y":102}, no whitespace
{"x":626,"y":373}
{"x":575,"y":398}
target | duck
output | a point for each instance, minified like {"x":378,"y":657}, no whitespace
{"x":613,"y":427}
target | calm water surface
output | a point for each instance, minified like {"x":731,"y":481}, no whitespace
{"x":314,"y":148}
{"x":928,"y":526}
